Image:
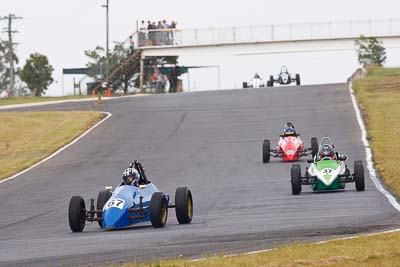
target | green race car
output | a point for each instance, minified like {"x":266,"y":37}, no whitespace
{"x":327,"y":171}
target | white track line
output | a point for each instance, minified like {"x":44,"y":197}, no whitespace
{"x":61,"y":149}
{"x":53,"y":102}
{"x":370,"y":165}
{"x":372,"y":174}
{"x":317,"y":243}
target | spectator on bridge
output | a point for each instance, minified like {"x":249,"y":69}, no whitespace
{"x":150,"y":28}
{"x":171,"y":35}
{"x":142,"y":34}
{"x":159,"y":33}
{"x":165,"y":33}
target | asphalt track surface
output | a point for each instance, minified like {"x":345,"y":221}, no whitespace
{"x":210,"y":142}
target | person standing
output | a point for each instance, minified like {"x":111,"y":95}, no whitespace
{"x":159,"y":33}
{"x":142,"y":34}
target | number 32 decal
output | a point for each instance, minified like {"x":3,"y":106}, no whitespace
{"x":115,"y":203}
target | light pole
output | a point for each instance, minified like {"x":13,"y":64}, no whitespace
{"x":107,"y":24}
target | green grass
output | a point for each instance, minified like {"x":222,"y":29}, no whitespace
{"x":28,"y":137}
{"x":366,"y":251}
{"x":379,"y":98}
{"x":24,"y":100}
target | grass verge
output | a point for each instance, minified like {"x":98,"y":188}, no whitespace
{"x":367,"y":251}
{"x":24,"y":100}
{"x":28,"y":137}
{"x":379,"y":97}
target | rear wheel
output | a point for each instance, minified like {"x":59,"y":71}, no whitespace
{"x":77,"y":214}
{"x":102,"y":199}
{"x":297,"y":79}
{"x":245,"y":85}
{"x":158,"y":210}
{"x":314,"y":146}
{"x":265,"y":150}
{"x":359,"y":175}
{"x":295,"y":174}
{"x":183,"y":205}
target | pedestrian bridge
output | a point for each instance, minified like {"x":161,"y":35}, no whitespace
{"x":267,"y":39}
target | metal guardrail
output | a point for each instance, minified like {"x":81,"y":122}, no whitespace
{"x":266,"y":33}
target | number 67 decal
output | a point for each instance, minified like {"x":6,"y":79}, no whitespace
{"x":115,"y":203}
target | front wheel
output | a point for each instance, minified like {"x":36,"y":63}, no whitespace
{"x":102,"y":199}
{"x":77,"y":214}
{"x":265,"y":150}
{"x":271,"y":81}
{"x":295,"y":174}
{"x":359,"y":175}
{"x":314,"y":146}
{"x":183,"y":205}
{"x":158,"y":210}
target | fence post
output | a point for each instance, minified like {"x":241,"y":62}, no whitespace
{"x":272,"y":32}
{"x":234,"y":34}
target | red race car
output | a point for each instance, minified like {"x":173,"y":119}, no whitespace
{"x":290,"y":146}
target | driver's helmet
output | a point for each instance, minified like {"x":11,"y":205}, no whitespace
{"x":327,"y":151}
{"x":130,"y":175}
{"x":289,"y":129}
{"x":256,"y":76}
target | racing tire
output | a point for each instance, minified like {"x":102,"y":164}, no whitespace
{"x":314,"y":146}
{"x":297,"y":79}
{"x":183,"y":205}
{"x":265,"y":150}
{"x":158,"y":210}
{"x":359,"y":175}
{"x":245,"y":85}
{"x":295,"y":173}
{"x":271,"y":81}
{"x":102,"y":199}
{"x":77,"y":214}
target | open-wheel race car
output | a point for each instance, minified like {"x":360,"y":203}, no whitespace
{"x":327,"y":171}
{"x":256,"y":82}
{"x":290,"y":146}
{"x":131,"y":203}
{"x":284,"y":78}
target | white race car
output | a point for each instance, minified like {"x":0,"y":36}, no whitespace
{"x":256,"y":82}
{"x":284,"y":77}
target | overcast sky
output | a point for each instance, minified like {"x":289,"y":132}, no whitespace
{"x":62,"y":30}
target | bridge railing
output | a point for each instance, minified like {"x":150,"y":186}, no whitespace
{"x":266,"y":33}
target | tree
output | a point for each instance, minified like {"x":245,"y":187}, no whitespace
{"x":370,"y":51}
{"x":5,"y":63}
{"x":36,"y":73}
{"x":96,"y":66}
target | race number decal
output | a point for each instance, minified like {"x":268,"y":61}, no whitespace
{"x":327,"y":171}
{"x":115,"y":203}
{"x":290,"y":152}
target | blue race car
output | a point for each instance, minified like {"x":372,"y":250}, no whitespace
{"x":131,"y":203}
